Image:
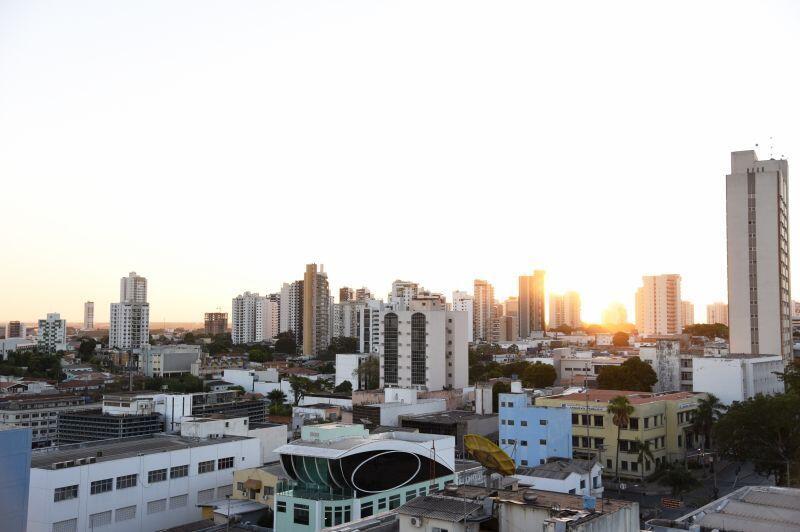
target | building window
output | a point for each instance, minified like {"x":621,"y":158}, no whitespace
{"x":328,"y":516}
{"x":101,"y":486}
{"x":418,"y":352}
{"x":542,"y":422}
{"x":125,"y":514}
{"x":99,"y":520}
{"x":205,"y":467}
{"x":576,"y":441}
{"x":366,"y":509}
{"x":598,"y":421}
{"x":542,"y":442}
{"x":583,"y":484}
{"x":381,"y":504}
{"x":157,"y":475}
{"x":423,"y":492}
{"x":225,"y":463}
{"x":179,"y":471}
{"x":390,"y":348}
{"x":634,"y":466}
{"x":178,"y":501}
{"x":512,"y":441}
{"x":69,"y":525}
{"x":281,"y":506}
{"x":65,"y":493}
{"x":647,"y":422}
{"x":437,"y":529}
{"x":624,"y":465}
{"x":634,"y":423}
{"x":524,"y":443}
{"x":224,"y":491}
{"x":126,"y":481}
{"x":575,"y":419}
{"x":524,"y":462}
{"x":502,"y":421}
{"x":510,"y":422}
{"x":301,"y":514}
{"x":411,"y":495}
{"x":157,"y":506}
{"x":608,"y":463}
{"x":394,"y":501}
{"x":205,"y":496}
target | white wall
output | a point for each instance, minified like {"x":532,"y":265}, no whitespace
{"x":44,"y":512}
{"x":736,"y":379}
{"x":391,"y":411}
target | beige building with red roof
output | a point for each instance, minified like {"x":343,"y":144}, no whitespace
{"x":662,"y":419}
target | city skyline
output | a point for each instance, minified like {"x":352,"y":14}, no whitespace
{"x":164,"y":160}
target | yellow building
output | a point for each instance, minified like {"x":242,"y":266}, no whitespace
{"x":663,"y":419}
{"x":258,"y":483}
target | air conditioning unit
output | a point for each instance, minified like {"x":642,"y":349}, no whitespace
{"x":416,"y":521}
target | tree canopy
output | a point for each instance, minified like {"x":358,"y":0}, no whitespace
{"x":765,"y":431}
{"x":709,"y":330}
{"x":620,"y":339}
{"x":633,"y":374}
{"x":286,"y":343}
{"x":539,"y":375}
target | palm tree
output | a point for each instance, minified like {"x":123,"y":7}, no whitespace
{"x":621,"y":409}
{"x":708,"y":412}
{"x":276,"y":397}
{"x":643,"y":453}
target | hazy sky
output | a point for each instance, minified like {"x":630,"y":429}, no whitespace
{"x":217,"y":147}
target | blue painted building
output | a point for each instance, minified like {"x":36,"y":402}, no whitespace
{"x":15,"y":468}
{"x":531,"y":434}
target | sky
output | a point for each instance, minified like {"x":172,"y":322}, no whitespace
{"x":217,"y":147}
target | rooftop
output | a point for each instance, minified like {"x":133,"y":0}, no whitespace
{"x":338,"y":447}
{"x":751,"y":508}
{"x":450,"y":417}
{"x":558,"y":469}
{"x":108,"y":450}
{"x":441,"y":508}
{"x":636,"y":398}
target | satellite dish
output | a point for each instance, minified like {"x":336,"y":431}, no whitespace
{"x":489,"y":455}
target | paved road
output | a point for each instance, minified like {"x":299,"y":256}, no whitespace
{"x":727,"y":480}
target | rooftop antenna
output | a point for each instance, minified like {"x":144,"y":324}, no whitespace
{"x":771,"y":146}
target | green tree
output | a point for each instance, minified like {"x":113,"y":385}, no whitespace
{"x":87,"y":347}
{"x":709,"y":411}
{"x":498,"y":388}
{"x":300,"y":387}
{"x":764,"y":431}
{"x":342,"y":344}
{"x":368,"y":373}
{"x":344,"y":387}
{"x":633,"y":375}
{"x":276,"y":397}
{"x":791,"y":378}
{"x":709,"y":330}
{"x":678,"y":478}
{"x":286,"y":343}
{"x":620,"y":339}
{"x":539,"y":375}
{"x":515,"y":368}
{"x":643,"y":453}
{"x":188,"y":338}
{"x":620,"y":409}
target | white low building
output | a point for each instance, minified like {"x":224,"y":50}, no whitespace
{"x":166,"y":360}
{"x":270,"y":435}
{"x":737,"y":377}
{"x":133,"y":484}
{"x":577,"y":477}
{"x":15,"y":344}
{"x":347,"y":368}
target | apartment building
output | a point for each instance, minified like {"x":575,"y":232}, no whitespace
{"x":88,"y":316}
{"x":687,"y":313}
{"x":133,"y":484}
{"x":168,"y":360}
{"x":663,"y":419}
{"x":52,"y":333}
{"x":565,"y":309}
{"x":737,"y":377}
{"x":531,"y":304}
{"x":759,"y":291}
{"x":423,"y":349}
{"x":130,"y":318}
{"x":464,"y":302}
{"x":316,"y":310}
{"x":482,"y":310}
{"x":531,"y":434}
{"x":658,"y":305}
{"x":717,"y":313}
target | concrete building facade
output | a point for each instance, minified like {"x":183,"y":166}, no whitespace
{"x":52,"y":333}
{"x":88,"y":316}
{"x":423,"y":349}
{"x":717,"y":313}
{"x":463,"y":302}
{"x":531,"y":304}
{"x":530,"y":434}
{"x":759,"y":291}
{"x":737,"y":377}
{"x":658,"y":305}
{"x":316,"y":310}
{"x":565,"y":309}
{"x":482,"y":311}
{"x":130,"y":318}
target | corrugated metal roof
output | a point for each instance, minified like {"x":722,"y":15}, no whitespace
{"x":443,"y":508}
